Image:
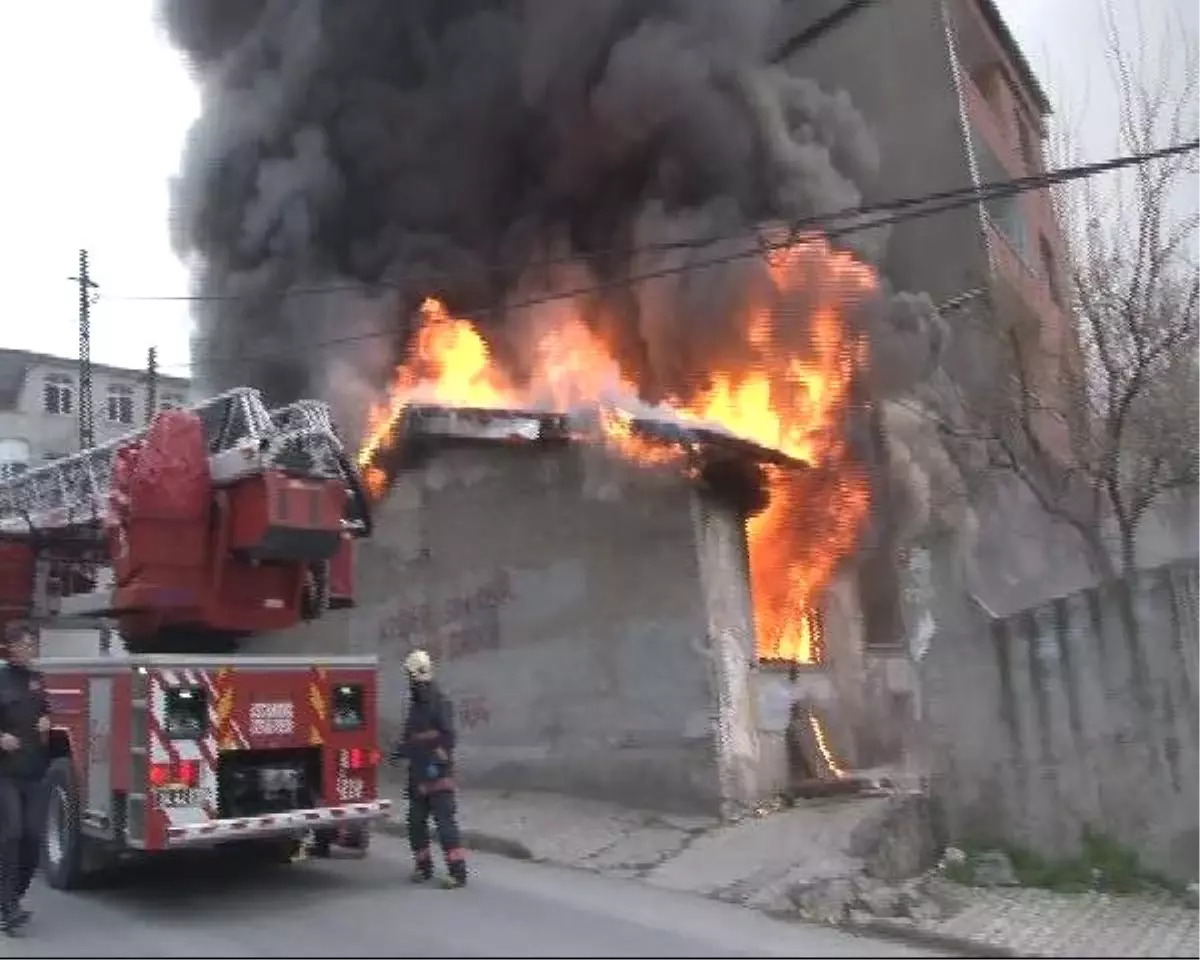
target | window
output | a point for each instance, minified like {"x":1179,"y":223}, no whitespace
{"x":1050,"y":265}
{"x":1006,"y":214}
{"x":1008,"y":217}
{"x":58,"y":394}
{"x":120,"y":403}
{"x":1026,"y":139}
{"x":10,"y":471}
{"x":171,"y":401}
{"x":14,"y":458}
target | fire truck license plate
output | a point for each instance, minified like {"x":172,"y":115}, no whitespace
{"x":272,"y":719}
{"x":180,"y":797}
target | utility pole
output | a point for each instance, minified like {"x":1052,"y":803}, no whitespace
{"x":87,"y":297}
{"x":151,"y":384}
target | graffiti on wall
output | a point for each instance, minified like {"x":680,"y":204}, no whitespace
{"x":474,"y":711}
{"x":459,"y":626}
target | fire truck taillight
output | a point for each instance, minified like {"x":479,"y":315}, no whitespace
{"x":181,"y":773}
{"x":349,"y":706}
{"x":357,"y":759}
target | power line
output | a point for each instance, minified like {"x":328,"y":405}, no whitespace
{"x":820,"y":222}
{"x":815,"y":31}
{"x":907,"y":209}
{"x":902,"y":211}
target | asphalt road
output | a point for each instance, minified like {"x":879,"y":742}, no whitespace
{"x":366,"y":908}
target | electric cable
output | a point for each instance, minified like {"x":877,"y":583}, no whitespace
{"x":818,"y":222}
{"x":860,"y":219}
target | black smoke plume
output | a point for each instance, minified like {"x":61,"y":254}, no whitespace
{"x":384,"y":150}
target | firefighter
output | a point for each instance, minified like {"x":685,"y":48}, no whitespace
{"x":428,"y":746}
{"x":24,"y":755}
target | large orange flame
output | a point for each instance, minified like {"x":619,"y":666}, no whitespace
{"x":784,"y":398}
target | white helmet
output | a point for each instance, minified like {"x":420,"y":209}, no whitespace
{"x":419,"y":666}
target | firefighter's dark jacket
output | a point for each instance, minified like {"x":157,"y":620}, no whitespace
{"x":22,"y":703}
{"x":428,"y":728}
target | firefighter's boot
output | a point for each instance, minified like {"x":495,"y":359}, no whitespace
{"x":13,"y":922}
{"x":457,"y":875}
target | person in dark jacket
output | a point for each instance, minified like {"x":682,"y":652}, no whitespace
{"x":428,"y":746}
{"x":24,"y":756}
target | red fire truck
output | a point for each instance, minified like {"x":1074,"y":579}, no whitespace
{"x":215,"y":522}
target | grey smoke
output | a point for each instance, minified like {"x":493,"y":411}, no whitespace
{"x":398,"y":148}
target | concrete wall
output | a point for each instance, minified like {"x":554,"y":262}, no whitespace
{"x":1061,"y":716}
{"x":573,"y":603}
{"x":892,"y":61}
{"x":593,"y":623}
{"x":730,"y":652}
{"x":1024,"y":557}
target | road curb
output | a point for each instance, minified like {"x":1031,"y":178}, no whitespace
{"x":479,"y":840}
{"x":915,"y":936}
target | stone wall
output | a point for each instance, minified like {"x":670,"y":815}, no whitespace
{"x":573,"y":603}
{"x":1080,"y":711}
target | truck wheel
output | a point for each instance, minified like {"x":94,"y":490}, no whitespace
{"x":62,"y":845}
{"x":321,"y":846}
{"x":315,"y":598}
{"x":277,"y":849}
{"x":358,"y":838}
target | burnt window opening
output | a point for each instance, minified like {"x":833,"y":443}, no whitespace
{"x":796,"y":642}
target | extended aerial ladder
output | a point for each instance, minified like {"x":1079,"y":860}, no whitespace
{"x":215,"y":521}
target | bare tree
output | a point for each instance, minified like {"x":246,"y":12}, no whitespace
{"x":1102,"y":424}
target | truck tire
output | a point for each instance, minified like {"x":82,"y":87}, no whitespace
{"x":63,"y":842}
{"x":271,"y":850}
{"x":316,"y":597}
{"x":358,"y":838}
{"x":321,"y":846}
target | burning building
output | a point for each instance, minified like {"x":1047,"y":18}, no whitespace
{"x":555,"y":228}
{"x":603,"y":578}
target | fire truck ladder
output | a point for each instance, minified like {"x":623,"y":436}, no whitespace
{"x":70,"y":495}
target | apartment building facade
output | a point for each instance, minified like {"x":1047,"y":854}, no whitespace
{"x":39,"y":406}
{"x":953,"y":103}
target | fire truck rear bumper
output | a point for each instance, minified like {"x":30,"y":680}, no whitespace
{"x":211,"y":832}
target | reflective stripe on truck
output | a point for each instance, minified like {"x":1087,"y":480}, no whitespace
{"x":237,"y":828}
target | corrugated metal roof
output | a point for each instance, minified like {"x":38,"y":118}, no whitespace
{"x":424,"y":424}
{"x":436,"y":422}
{"x":726,"y":464}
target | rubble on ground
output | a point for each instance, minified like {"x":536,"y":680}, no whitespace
{"x":993,"y":868}
{"x":853,"y":899}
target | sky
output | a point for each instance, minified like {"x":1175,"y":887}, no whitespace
{"x":97,"y":105}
